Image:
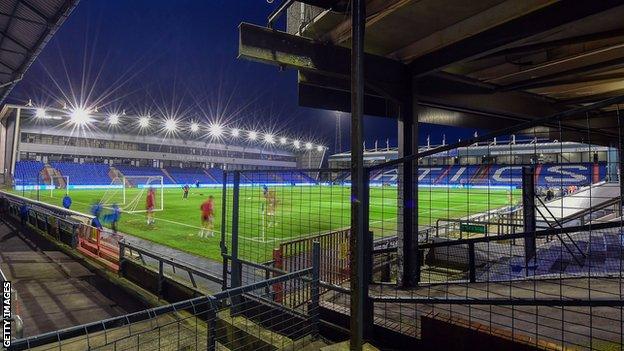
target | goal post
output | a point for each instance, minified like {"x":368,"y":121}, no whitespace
{"x":59,"y":182}
{"x":130,"y":193}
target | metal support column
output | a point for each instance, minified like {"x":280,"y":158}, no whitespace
{"x":409,"y":265}
{"x":211,"y":322}
{"x":620,"y":157}
{"x":222,"y":244}
{"x":314,"y":289}
{"x":528,"y":204}
{"x":358,"y":233}
{"x":161,"y":278}
{"x":236,"y":276}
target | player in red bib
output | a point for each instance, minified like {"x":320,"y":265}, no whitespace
{"x":207,"y":217}
{"x":150,"y":200}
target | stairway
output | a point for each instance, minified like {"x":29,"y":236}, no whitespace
{"x":48,"y":173}
{"x":602,"y":250}
{"x":114,"y":173}
{"x":166,"y":173}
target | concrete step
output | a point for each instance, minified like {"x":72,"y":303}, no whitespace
{"x":344,"y":346}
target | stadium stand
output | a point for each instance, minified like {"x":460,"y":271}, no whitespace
{"x":27,"y":172}
{"x":547,"y":175}
{"x":145,"y":172}
{"x":83,"y":173}
{"x":295,"y":177}
{"x":190,"y":176}
{"x":598,"y":252}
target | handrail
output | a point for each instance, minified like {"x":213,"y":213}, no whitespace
{"x":115,"y":322}
{"x":585,"y":211}
{"x":3,"y":277}
{"x":46,"y":206}
{"x":179,"y":264}
{"x":278,"y":12}
{"x":503,"y":301}
{"x":557,"y":235}
{"x":540,"y":233}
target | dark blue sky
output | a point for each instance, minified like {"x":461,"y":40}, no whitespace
{"x":179,"y":58}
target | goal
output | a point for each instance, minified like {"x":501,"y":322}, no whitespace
{"x":130,"y":192}
{"x":60,"y":183}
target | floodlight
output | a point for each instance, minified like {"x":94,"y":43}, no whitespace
{"x":113,"y":119}
{"x":80,"y":116}
{"x":235,"y":132}
{"x":215,"y":130}
{"x":171,"y":125}
{"x":319,"y":148}
{"x":308,"y":146}
{"x":194,"y":127}
{"x":40,"y":113}
{"x":297,"y":144}
{"x":252,"y":135}
{"x":283,"y":140}
{"x":144,"y":122}
{"x":269,"y":138}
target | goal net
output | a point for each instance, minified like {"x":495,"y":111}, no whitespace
{"x":59,"y":185}
{"x":130,"y":193}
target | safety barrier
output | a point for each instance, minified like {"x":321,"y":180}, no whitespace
{"x":67,"y":227}
{"x":233,"y":319}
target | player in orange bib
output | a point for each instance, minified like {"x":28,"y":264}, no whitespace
{"x":207,"y":217}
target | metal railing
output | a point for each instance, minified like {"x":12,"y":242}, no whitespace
{"x":129,"y":251}
{"x":231,"y":318}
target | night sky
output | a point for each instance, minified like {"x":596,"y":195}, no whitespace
{"x":178,"y":58}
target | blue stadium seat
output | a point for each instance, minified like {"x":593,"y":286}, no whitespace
{"x":190,"y":176}
{"x":144,"y":172}
{"x":84,"y":173}
{"x":27,"y":172}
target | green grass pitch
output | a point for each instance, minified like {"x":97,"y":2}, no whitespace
{"x":300,"y":211}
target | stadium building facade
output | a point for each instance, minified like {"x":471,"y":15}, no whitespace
{"x":47,"y":144}
{"x":500,"y":164}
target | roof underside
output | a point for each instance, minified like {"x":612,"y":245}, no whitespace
{"x":504,"y":61}
{"x":577,"y":62}
{"x":25,"y":28}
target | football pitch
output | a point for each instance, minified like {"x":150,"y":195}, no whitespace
{"x":300,"y":211}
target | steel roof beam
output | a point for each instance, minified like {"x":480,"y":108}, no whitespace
{"x":36,"y":11}
{"x":593,"y":68}
{"x":334,"y":5}
{"x":537,"y":47}
{"x":506,"y":34}
{"x":387,"y":77}
{"x":12,"y":38}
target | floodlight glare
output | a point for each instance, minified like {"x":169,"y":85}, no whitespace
{"x":171,"y":125}
{"x":308,"y":146}
{"x":194,"y":127}
{"x":80,"y":116}
{"x":297,"y":144}
{"x":283,"y":140}
{"x":252,"y":135}
{"x":319,"y":148}
{"x":235,"y":132}
{"x":215,"y":130}
{"x":269,"y":138}
{"x":144,"y":122}
{"x":40,"y":113}
{"x":113,"y":119}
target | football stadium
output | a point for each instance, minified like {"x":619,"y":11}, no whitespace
{"x":133,"y":230}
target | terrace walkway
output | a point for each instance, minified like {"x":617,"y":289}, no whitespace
{"x":201,"y":263}
{"x":54,"y":290}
